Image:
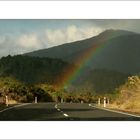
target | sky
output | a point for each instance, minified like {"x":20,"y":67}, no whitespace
{"x":22,"y":36}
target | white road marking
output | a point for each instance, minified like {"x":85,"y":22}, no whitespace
{"x":14,"y":107}
{"x":56,"y":106}
{"x":66,"y":115}
{"x":116,"y":111}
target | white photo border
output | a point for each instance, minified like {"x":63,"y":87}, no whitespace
{"x":69,"y":10}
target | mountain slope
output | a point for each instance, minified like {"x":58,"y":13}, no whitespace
{"x":75,"y":47}
{"x":33,"y":69}
{"x":122,"y":51}
{"x":100,"y":80}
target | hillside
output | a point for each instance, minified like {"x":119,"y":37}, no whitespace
{"x":75,"y":47}
{"x":100,"y":81}
{"x":121,"y":50}
{"x":33,"y":69}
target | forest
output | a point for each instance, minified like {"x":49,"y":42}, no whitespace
{"x":22,"y":78}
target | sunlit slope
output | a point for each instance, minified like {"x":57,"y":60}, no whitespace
{"x":128,"y":97}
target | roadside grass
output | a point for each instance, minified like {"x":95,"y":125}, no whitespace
{"x":128,"y":99}
{"x":125,"y":108}
{"x":131,"y":105}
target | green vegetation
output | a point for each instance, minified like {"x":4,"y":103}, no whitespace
{"x":21,"y":92}
{"x":100,"y":81}
{"x":31,"y":69}
{"x":23,"y":78}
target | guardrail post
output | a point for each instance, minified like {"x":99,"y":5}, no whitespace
{"x":99,"y":101}
{"x":61,"y":100}
{"x":6,"y":100}
{"x":35,"y":100}
{"x":104,"y":101}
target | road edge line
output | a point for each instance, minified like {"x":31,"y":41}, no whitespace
{"x":115,"y":111}
{"x":14,"y":107}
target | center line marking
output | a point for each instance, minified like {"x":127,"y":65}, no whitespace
{"x":66,"y":115}
{"x":55,"y":106}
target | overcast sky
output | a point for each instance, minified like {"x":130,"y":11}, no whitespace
{"x":21,"y":36}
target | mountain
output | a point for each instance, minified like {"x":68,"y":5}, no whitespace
{"x":115,"y":55}
{"x":121,"y":51}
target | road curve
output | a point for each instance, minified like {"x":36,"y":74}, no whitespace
{"x":62,"y":112}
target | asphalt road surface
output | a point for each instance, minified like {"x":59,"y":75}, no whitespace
{"x":62,"y":112}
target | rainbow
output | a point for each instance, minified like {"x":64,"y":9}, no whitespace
{"x":72,"y":72}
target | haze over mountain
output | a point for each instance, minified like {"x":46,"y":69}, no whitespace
{"x":121,"y":52}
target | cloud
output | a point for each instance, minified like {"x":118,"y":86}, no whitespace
{"x":18,"y":44}
{"x":30,"y":41}
{"x":7,"y":45}
{"x":54,"y":37}
{"x":70,"y":34}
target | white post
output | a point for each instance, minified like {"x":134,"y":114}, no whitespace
{"x":99,"y":101}
{"x":35,"y":100}
{"x":104,"y":101}
{"x":6,"y":100}
{"x":61,"y":100}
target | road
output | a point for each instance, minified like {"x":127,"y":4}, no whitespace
{"x":62,"y":112}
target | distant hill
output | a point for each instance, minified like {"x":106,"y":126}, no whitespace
{"x":121,"y":53}
{"x":100,"y":81}
{"x":35,"y":70}
{"x":32,"y":69}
